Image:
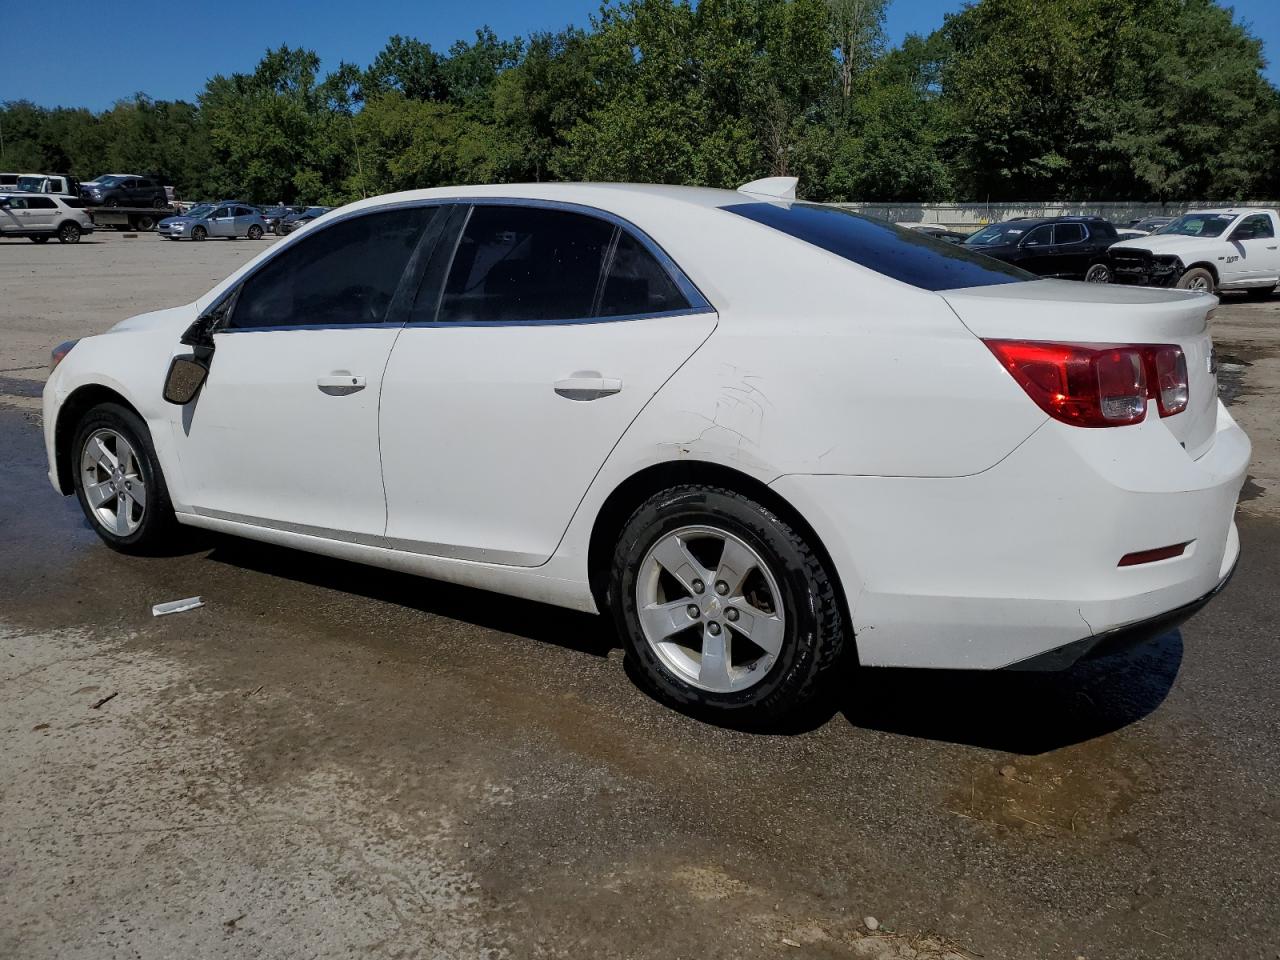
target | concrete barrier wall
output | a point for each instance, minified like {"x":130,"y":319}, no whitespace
{"x":972,"y":215}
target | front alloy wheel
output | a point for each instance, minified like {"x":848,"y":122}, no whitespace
{"x":114,"y":487}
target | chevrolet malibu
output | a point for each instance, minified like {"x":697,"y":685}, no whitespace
{"x":768,"y":437}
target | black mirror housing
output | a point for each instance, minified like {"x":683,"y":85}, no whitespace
{"x":186,"y":376}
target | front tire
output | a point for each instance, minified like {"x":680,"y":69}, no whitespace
{"x":255,"y":232}
{"x":1098,"y":273}
{"x":724,"y":608}
{"x":1199,"y":279}
{"x":199,"y":233}
{"x":69,"y":233}
{"x":118,"y":481}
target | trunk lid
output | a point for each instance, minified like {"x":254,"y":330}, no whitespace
{"x":1072,"y":312}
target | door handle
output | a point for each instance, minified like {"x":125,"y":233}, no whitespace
{"x":587,"y":387}
{"x":340,"y":384}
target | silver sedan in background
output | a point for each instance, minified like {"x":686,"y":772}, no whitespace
{"x":214,"y":220}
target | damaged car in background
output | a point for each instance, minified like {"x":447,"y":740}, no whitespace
{"x":770,"y":438}
{"x":1207,"y":251}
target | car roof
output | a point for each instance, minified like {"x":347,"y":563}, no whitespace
{"x":1232,"y":211}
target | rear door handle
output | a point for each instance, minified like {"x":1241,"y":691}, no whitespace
{"x":340,"y":384}
{"x":587,"y":387}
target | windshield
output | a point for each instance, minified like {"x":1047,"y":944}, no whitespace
{"x":909,"y":256}
{"x":200,"y":212}
{"x":107,"y":181}
{"x":1200,"y":225}
{"x":998,"y":234}
{"x":316,"y":211}
{"x":30,"y":184}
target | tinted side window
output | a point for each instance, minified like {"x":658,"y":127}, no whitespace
{"x":637,"y":283}
{"x":906,"y":255}
{"x":1252,"y":228}
{"x":525,"y":263}
{"x":243,"y":211}
{"x":344,"y":273}
{"x":41,"y":203}
{"x":73,"y":202}
{"x":143,"y":183}
{"x":1041,"y":236}
{"x":1068,"y":233}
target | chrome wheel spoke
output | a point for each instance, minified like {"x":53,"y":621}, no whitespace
{"x":97,"y":451}
{"x":137,"y":492}
{"x":736,"y":563}
{"x":713,"y":671}
{"x":120,"y":526}
{"x":98,"y":494}
{"x":662,"y":620}
{"x":765,"y":630}
{"x":673,"y":555}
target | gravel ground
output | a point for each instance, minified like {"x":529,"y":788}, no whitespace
{"x":328,"y":760}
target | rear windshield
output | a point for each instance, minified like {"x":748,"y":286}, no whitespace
{"x":910,"y":256}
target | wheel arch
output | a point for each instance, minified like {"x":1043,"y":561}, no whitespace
{"x":1204,"y":265}
{"x":630,"y":493}
{"x":79,"y":402}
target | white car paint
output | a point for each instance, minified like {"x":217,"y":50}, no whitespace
{"x":39,"y":214}
{"x":1238,"y":264}
{"x":966,"y":527}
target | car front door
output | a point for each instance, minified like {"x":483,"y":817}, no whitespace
{"x":1253,"y":242}
{"x":537,"y":337}
{"x":222,"y":223}
{"x":13,"y":215}
{"x":284,"y":432}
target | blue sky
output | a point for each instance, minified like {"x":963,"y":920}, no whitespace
{"x":92,"y":68}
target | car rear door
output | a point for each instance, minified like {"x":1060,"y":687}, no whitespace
{"x":284,"y":432}
{"x":42,"y":213}
{"x":537,"y":337}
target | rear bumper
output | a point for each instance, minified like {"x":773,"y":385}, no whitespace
{"x":1021,"y":561}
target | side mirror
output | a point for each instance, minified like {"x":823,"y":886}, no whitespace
{"x":4,"y":202}
{"x":186,"y":376}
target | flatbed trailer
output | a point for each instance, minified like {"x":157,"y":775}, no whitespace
{"x":129,"y":218}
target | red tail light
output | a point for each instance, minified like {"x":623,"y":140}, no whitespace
{"x":1097,"y":385}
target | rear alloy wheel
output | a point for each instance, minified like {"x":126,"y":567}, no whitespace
{"x":69,"y":233}
{"x":723,"y":607}
{"x":118,"y":480}
{"x":1198,"y":279}
{"x":1260,"y":293}
{"x":255,"y":232}
{"x":199,"y":233}
{"x":1098,"y":273}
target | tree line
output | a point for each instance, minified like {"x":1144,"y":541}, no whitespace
{"x":1007,"y":100}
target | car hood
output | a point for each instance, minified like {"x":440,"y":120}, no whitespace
{"x":178,"y":221}
{"x":1171,"y":244}
{"x":177,"y":318}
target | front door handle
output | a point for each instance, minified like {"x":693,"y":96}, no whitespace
{"x":340,"y":384}
{"x":587,"y":387}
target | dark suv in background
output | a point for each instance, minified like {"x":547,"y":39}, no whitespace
{"x":1073,"y":248}
{"x":124,"y":190}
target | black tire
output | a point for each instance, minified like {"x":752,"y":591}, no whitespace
{"x":1260,"y":293}
{"x":1098,"y":273}
{"x":160,"y":201}
{"x":814,"y":638}
{"x":157,"y":527}
{"x":255,"y":232}
{"x":1198,"y":278}
{"x":199,"y":233}
{"x":69,"y":232}
{"x":39,"y":239}
{"x":142,"y":222}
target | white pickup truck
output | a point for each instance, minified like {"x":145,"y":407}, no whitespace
{"x":1207,"y":250}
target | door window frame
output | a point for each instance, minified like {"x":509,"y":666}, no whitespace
{"x":440,"y":268}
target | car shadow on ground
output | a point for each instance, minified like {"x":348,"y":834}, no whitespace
{"x":1016,"y":712}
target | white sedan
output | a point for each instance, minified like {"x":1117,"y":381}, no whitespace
{"x":769,"y":437}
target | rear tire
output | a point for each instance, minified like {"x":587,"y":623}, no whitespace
{"x":1198,"y":278}
{"x":119,"y":483}
{"x":69,"y":233}
{"x":762,"y":642}
{"x":1260,"y":293}
{"x":1098,"y":273}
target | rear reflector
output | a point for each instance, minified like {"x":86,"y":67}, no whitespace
{"x":1097,"y":385}
{"x":1151,"y":556}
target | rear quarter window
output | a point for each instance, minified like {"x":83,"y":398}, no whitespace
{"x":910,"y":256}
